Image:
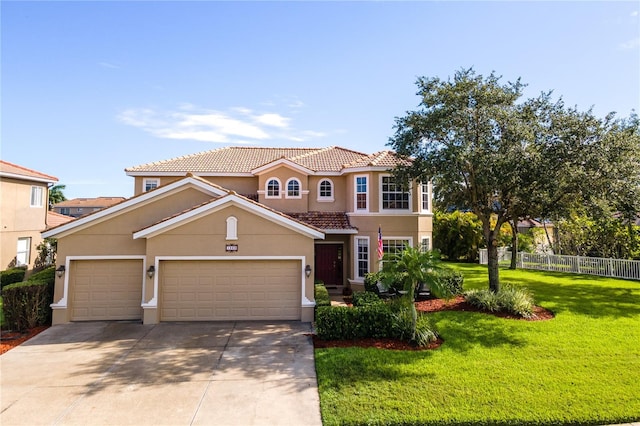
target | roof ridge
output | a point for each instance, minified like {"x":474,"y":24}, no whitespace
{"x":181,"y":157}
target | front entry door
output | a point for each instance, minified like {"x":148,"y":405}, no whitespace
{"x":329,"y":263}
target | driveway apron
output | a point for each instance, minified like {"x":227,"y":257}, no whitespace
{"x":200,"y":373}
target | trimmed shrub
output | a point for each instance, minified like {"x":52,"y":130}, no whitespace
{"x":364,"y":298}
{"x":510,"y":299}
{"x":321,"y":295}
{"x":451,"y":281}
{"x":10,"y":276}
{"x":26,"y":304}
{"x":340,"y":322}
{"x":370,"y":282}
{"x":48,"y":274}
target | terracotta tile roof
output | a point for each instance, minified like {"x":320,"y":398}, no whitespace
{"x":325,"y":220}
{"x":246,"y":159}
{"x":14,"y":169}
{"x":387,"y":159}
{"x":55,"y":219}
{"x":91,"y":202}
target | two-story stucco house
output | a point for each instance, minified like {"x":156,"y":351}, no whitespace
{"x":24,"y":195}
{"x":236,"y":233}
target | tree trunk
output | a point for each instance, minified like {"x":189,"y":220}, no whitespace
{"x":546,"y":231}
{"x":514,"y":244}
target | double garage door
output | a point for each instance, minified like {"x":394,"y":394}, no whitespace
{"x":229,"y":290}
{"x":188,"y":290}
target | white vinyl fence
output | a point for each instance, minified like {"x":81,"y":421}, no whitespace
{"x":617,"y":268}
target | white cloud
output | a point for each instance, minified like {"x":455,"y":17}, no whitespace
{"x":630,"y":44}
{"x":236,"y":125}
{"x":634,"y":13}
{"x":109,"y":65}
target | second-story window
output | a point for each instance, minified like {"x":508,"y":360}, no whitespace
{"x":293,"y":188}
{"x":425,"y":197}
{"x":37,"y":196}
{"x":150,"y":184}
{"x":362,"y":192}
{"x":273,"y":188}
{"x":325,"y":190}
{"x":393,"y":195}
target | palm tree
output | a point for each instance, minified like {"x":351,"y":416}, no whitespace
{"x":55,"y":195}
{"x":409,"y":268}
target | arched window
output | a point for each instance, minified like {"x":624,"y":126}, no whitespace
{"x":325,"y":190}
{"x":232,"y":228}
{"x":273,"y":188}
{"x":293,"y":188}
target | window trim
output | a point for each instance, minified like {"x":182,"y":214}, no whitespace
{"x":325,"y":199}
{"x":232,"y":228}
{"x":27,"y":252}
{"x":266,"y":189}
{"x":149,"y":180}
{"x":286,"y":194}
{"x":429,"y":194}
{"x":388,"y":210}
{"x":356,"y":257}
{"x":36,"y":196}
{"x":422,"y":244}
{"x":355,"y":193}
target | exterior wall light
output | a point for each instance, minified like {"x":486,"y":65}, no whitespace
{"x":151,"y":271}
{"x":60,"y":271}
{"x":307,"y":270}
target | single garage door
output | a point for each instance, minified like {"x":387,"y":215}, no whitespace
{"x":229,"y":290}
{"x":106,"y":289}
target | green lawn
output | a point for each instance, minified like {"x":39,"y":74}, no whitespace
{"x":582,"y":367}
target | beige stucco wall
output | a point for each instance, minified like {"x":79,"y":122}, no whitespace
{"x":206,"y":236}
{"x":114,"y":237}
{"x":18,"y":219}
{"x":284,"y":204}
{"x":339,"y":194}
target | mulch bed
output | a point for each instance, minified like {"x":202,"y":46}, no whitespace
{"x":10,"y":339}
{"x":433,"y":305}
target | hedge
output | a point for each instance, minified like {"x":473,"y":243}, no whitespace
{"x":341,"y":322}
{"x":10,"y":276}
{"x":321,"y":295}
{"x":27,"y":303}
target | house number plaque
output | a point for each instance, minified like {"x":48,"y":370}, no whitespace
{"x":232,"y":247}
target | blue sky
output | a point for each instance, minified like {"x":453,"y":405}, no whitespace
{"x":89,"y":88}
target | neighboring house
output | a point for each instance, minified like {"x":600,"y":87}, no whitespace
{"x":236,"y":233}
{"x":544,"y":233}
{"x":79,"y":207}
{"x":24,"y":195}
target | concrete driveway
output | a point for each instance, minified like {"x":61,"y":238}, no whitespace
{"x":116,"y":373}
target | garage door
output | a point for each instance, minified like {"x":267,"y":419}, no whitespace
{"x":229,"y":290}
{"x":106,"y":289}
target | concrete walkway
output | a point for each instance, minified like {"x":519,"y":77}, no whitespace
{"x":232,"y":373}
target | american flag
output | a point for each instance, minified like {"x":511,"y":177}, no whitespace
{"x":380,"y":249}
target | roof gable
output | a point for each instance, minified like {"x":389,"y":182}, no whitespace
{"x":189,"y":181}
{"x":221,"y":203}
{"x":15,"y":171}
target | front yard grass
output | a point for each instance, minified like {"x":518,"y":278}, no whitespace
{"x":582,"y":367}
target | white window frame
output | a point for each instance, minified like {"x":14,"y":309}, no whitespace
{"x":286,"y":194}
{"x":37,"y":196}
{"x":428,"y":194}
{"x":26,"y":252}
{"x":149,"y":182}
{"x":325,"y":198}
{"x":425,"y":244}
{"x":232,"y":228}
{"x":409,"y":241}
{"x":355,"y":193}
{"x":408,"y":192}
{"x":356,"y":257}
{"x":266,"y":188}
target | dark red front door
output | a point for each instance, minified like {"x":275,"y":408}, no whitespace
{"x":329,"y":263}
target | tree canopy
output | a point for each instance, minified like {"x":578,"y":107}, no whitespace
{"x":488,"y":152}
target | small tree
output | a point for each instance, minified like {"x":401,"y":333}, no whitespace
{"x":408,"y":269}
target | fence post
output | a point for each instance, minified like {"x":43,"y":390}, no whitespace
{"x":578,"y":259}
